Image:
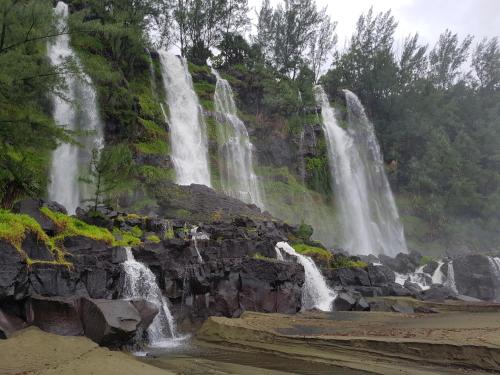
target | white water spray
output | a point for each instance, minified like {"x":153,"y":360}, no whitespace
{"x":140,"y":282}
{"x":369,"y":215}
{"x":198,"y":236}
{"x":315,"y":292}
{"x":76,"y":112}
{"x":238,"y":178}
{"x":187,"y":125}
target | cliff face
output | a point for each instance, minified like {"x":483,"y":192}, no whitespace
{"x":70,"y":269}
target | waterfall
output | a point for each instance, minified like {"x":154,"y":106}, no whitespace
{"x":438,"y":276}
{"x":187,"y":126}
{"x":197,"y":236}
{"x":238,"y":178}
{"x":140,"y":282}
{"x":369,"y":215}
{"x":315,"y":292}
{"x":77,"y":111}
{"x":450,"y":279}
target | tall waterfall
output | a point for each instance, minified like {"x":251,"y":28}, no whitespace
{"x":315,"y":292}
{"x":77,"y":111}
{"x":369,"y":215}
{"x":140,"y":282}
{"x":187,"y":126}
{"x":238,"y":178}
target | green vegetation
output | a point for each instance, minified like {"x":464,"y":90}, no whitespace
{"x":15,"y":227}
{"x":341,"y":261}
{"x":69,"y":227}
{"x":263,"y":257}
{"x":313,"y":251}
{"x":153,"y":238}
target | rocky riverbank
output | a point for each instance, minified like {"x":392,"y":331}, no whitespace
{"x":448,"y":342}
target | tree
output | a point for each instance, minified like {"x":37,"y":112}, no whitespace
{"x":28,"y":133}
{"x":486,"y":63}
{"x":447,"y":57}
{"x":109,"y":170}
{"x":322,"y":44}
{"x":203,"y":24}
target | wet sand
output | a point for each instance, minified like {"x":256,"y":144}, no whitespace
{"x":32,"y":351}
{"x":449,"y":342}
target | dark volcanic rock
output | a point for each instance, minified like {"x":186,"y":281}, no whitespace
{"x":402,"y":263}
{"x":438,"y":293}
{"x":380,"y":275}
{"x":431,"y":267}
{"x":13,"y":273}
{"x":344,"y":302}
{"x":476,"y":276}
{"x":347,"y":277}
{"x":32,"y":207}
{"x":55,"y":315}
{"x":9,"y":324}
{"x":110,"y":323}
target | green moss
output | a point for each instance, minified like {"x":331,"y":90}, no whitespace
{"x":153,"y":129}
{"x":155,"y":175}
{"x":313,"y":251}
{"x":426,"y":260}
{"x":197,"y":69}
{"x":69,"y":227}
{"x":153,"y":238}
{"x":342,"y":261}
{"x":263,"y":257}
{"x":156,"y":147}
{"x":124,"y":238}
{"x":13,"y":230}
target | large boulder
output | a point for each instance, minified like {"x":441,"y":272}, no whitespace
{"x":347,"y":277}
{"x":57,"y":315}
{"x":380,"y":275}
{"x":271,"y":286}
{"x":32,"y":208}
{"x":439,"y":293}
{"x":13,"y":272}
{"x":402,"y":263}
{"x":9,"y":324}
{"x":111,"y":323}
{"x":477,"y":276}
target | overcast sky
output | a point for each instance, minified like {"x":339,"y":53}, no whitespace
{"x":427,"y":17}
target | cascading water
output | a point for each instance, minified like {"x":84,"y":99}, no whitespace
{"x":140,"y":282}
{"x":77,"y":111}
{"x":198,"y":236}
{"x":238,"y":178}
{"x":315,"y":292}
{"x":438,"y":276}
{"x":187,"y":126}
{"x":369,"y":215}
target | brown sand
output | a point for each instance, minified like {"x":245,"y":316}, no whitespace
{"x":32,"y":351}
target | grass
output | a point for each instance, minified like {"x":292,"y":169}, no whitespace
{"x":313,"y":251}
{"x":342,"y":261}
{"x":70,"y":227}
{"x":155,"y":147}
{"x":153,"y":238}
{"x":15,"y":227}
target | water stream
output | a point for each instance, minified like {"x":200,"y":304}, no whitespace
{"x":238,"y":178}
{"x":370,"y":219}
{"x":75,"y":110}
{"x":141,"y":283}
{"x":187,"y":125}
{"x":315,"y":291}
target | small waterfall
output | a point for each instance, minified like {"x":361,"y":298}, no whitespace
{"x":197,"y":236}
{"x":187,"y":126}
{"x":495,"y":266}
{"x":77,"y":111}
{"x":369,"y":214}
{"x":450,"y":279}
{"x":438,"y":276}
{"x":238,"y":178}
{"x":315,"y":292}
{"x":140,"y":282}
